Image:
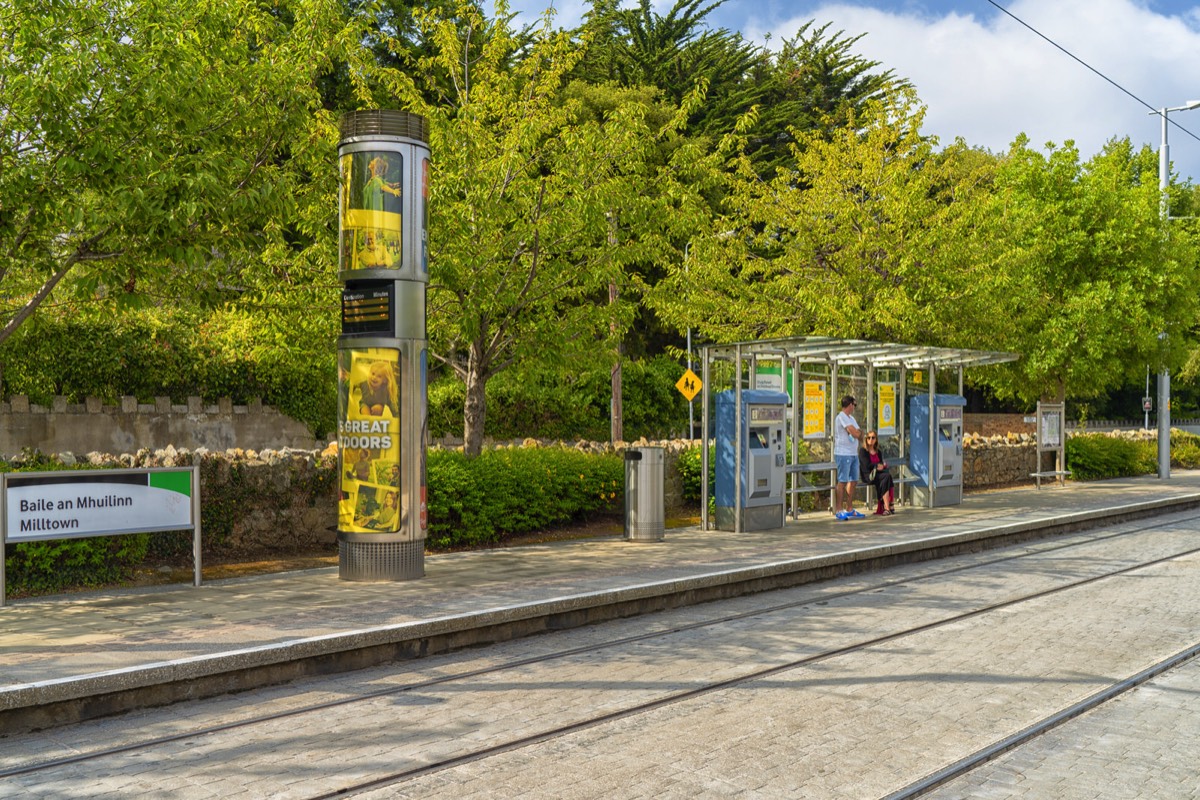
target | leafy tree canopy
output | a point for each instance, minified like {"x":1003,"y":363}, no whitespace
{"x":863,"y":233}
{"x":537,"y":202}
{"x":1090,"y":284}
{"x":143,"y":145}
{"x":812,"y":80}
{"x":673,"y":53}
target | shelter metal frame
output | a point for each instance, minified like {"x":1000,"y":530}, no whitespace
{"x":834,"y":354}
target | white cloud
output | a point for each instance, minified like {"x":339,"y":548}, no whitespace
{"x":988,"y":79}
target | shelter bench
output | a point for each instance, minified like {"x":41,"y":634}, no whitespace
{"x":823,"y":466}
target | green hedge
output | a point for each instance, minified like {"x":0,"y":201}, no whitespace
{"x":689,"y":466}
{"x":1095,"y":456}
{"x":152,"y":353}
{"x":507,"y":491}
{"x":1185,"y":450}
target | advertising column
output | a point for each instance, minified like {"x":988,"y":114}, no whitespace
{"x":383,"y":161}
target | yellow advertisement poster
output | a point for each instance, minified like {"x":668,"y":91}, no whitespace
{"x":887,"y":409}
{"x":369,"y":440}
{"x":815,"y":416}
{"x":371,"y":203}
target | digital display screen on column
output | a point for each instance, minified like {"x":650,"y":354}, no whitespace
{"x":367,"y":308}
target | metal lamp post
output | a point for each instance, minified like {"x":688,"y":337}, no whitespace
{"x":1164,"y":378}
{"x":691,"y":403}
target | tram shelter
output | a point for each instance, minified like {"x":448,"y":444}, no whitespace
{"x":815,"y":372}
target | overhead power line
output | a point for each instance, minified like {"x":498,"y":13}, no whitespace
{"x":1153,"y":109}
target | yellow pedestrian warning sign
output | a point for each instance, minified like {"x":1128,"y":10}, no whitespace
{"x":690,"y":385}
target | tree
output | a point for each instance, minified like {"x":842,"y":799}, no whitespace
{"x":1086,"y":273}
{"x":144,"y":147}
{"x":637,"y":47}
{"x":865,"y":232}
{"x":674,"y":56}
{"x":813,"y":81}
{"x":872,"y":233}
{"x":524,"y":184}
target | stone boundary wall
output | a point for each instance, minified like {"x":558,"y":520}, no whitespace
{"x":277,"y":501}
{"x":999,"y":460}
{"x":1007,"y":459}
{"x":996,"y":424}
{"x":92,"y":426}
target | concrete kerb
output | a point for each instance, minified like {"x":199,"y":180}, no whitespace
{"x":62,"y":701}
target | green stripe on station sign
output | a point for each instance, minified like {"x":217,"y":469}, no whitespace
{"x":180,"y":482}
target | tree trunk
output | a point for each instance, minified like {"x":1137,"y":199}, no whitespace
{"x":618,"y":422}
{"x":474,"y":407}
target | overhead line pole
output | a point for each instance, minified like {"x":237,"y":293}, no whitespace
{"x":1164,"y":377}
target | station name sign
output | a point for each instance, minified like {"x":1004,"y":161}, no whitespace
{"x":63,"y":505}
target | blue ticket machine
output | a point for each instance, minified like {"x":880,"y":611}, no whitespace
{"x":946,"y":469}
{"x":763,"y":418}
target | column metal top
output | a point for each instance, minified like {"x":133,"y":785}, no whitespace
{"x":383,"y":122}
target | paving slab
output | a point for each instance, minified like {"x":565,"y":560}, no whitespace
{"x":70,"y":657}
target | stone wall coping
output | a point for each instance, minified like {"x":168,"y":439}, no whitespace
{"x":195,"y":406}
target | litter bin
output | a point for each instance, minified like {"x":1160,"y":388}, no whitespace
{"x":644,"y":518}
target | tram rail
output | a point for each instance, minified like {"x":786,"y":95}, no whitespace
{"x":676,"y":697}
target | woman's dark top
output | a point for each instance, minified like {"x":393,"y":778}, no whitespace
{"x":868,"y":461}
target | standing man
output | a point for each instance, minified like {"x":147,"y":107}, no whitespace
{"x":846,"y":438}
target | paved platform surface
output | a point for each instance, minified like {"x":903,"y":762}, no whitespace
{"x":74,"y":647}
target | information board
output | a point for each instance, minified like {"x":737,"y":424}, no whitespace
{"x":66,"y":505}
{"x":42,"y":506}
{"x":1051,"y":433}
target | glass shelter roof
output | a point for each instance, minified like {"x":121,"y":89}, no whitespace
{"x":848,"y":352}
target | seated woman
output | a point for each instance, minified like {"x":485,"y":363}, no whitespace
{"x":873,"y":470}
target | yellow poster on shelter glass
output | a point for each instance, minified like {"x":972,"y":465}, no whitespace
{"x":886,"y":396}
{"x":815,"y":413}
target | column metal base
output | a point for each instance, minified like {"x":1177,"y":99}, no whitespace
{"x":363,"y":559}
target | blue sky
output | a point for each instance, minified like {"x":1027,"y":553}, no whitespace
{"x":986,"y":78}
